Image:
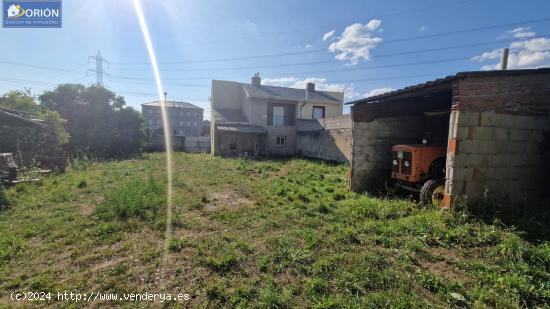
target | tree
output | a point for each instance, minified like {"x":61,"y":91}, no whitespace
{"x":33,"y":140}
{"x":98,"y":121}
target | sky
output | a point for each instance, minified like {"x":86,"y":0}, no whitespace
{"x":363,"y":47}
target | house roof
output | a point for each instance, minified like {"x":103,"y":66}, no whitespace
{"x":19,"y":119}
{"x":176,"y":104}
{"x":448,"y":80}
{"x":240,"y":128}
{"x":294,"y":94}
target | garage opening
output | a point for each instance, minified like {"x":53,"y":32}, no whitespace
{"x":400,"y":141}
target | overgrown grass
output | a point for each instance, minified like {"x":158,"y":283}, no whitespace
{"x":135,"y":198}
{"x":271,"y":233}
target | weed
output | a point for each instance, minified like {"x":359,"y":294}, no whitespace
{"x":10,"y":246}
{"x":136,"y":198}
{"x":221,"y":262}
{"x":176,"y":245}
{"x":82,"y":184}
{"x":4,"y":202}
{"x":149,"y":254}
{"x":271,"y":297}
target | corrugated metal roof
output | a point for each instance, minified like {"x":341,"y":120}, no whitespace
{"x":176,"y":104}
{"x":16,"y":118}
{"x":449,"y":79}
{"x":240,"y":128}
{"x":427,"y":84}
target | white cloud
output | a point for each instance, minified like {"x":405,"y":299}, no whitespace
{"x":377,"y":91}
{"x":250,"y":26}
{"x":524,"y":53}
{"x":423,"y":28}
{"x":308,"y":46}
{"x":329,"y":34}
{"x":356,"y":42}
{"x":522,"y":33}
{"x":320,"y":84}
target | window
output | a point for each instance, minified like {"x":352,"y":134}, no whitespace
{"x":150,"y":111}
{"x":318,"y":112}
{"x":150,"y":121}
{"x":281,"y":141}
{"x":181,"y":122}
{"x":188,"y":123}
{"x":188,"y":113}
{"x":278,"y":116}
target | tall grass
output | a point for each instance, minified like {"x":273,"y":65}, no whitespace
{"x":136,"y":198}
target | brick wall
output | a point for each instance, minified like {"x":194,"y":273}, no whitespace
{"x":498,"y":138}
{"x":371,"y":151}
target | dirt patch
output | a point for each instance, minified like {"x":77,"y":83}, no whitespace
{"x":226,"y":200}
{"x":87,"y":209}
{"x":445,"y":265}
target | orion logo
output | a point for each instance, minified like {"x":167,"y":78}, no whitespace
{"x":32,"y":14}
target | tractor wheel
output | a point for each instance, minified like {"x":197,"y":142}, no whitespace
{"x":390,"y":187}
{"x":432,"y":192}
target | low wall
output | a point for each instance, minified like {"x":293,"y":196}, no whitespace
{"x":156,"y":143}
{"x":197,"y":144}
{"x":326,"y":139}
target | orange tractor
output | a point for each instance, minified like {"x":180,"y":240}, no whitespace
{"x":419,"y":168}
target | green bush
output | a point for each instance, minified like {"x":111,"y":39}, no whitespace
{"x":137,"y":198}
{"x":3,"y":199}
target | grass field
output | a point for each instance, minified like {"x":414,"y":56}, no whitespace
{"x":257,"y":234}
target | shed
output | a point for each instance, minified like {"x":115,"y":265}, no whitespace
{"x":496,"y":125}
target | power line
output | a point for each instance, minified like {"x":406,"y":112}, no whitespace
{"x":37,"y":66}
{"x":403,"y":39}
{"x":357,"y":68}
{"x":99,"y":77}
{"x":332,"y":26}
{"x":378,"y":67}
{"x":332,"y":60}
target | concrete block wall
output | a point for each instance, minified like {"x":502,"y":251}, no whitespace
{"x":497,"y":155}
{"x":340,"y":122}
{"x":327,"y":138}
{"x":498,"y":139}
{"x":371,"y":151}
{"x":332,"y":145}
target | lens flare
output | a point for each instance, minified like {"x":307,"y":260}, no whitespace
{"x":165,"y":124}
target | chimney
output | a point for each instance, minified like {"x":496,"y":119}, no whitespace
{"x":310,"y":87}
{"x":504,"y":63}
{"x":256,"y":80}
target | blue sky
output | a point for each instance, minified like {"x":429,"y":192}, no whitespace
{"x":341,"y":45}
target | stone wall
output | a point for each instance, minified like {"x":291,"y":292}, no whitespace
{"x":372,"y":143}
